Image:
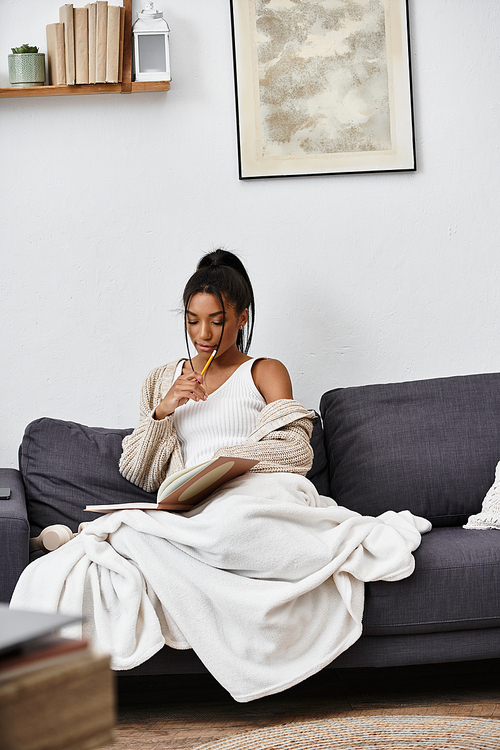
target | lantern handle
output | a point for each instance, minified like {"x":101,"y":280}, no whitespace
{"x":149,"y":11}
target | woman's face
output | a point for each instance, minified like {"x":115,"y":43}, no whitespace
{"x":204,"y":318}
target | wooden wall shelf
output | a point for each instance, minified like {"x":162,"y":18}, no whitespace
{"x":126,"y":87}
{"x":79,"y":89}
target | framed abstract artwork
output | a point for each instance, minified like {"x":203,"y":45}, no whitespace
{"x":322,"y":87}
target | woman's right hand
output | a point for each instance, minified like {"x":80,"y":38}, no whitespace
{"x":186,"y":387}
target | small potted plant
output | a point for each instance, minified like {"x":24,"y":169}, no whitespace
{"x":26,"y":66}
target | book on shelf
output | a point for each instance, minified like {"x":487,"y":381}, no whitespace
{"x":81,"y":30}
{"x":91,"y":8}
{"x":89,"y":42}
{"x":122,"y":38}
{"x":113,"y":44}
{"x":66,"y":18}
{"x":101,"y":40}
{"x":189,"y":487}
{"x":56,"y":64}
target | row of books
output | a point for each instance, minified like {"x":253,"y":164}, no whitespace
{"x":86,"y":46}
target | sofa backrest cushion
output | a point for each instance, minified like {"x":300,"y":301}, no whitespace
{"x":318,"y":474}
{"x":429,"y":446}
{"x":66,"y":466}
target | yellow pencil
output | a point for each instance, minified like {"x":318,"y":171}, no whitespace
{"x":208,"y":362}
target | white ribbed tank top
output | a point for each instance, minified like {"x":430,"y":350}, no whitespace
{"x":226,"y":418}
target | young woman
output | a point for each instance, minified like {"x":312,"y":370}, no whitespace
{"x":264,"y":579}
{"x":188,"y":417}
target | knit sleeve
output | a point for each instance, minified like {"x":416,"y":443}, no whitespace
{"x":286,"y":449}
{"x":149,"y":449}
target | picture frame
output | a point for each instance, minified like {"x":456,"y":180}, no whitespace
{"x":322,"y":87}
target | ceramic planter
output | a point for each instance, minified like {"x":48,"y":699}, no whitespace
{"x":27,"y":69}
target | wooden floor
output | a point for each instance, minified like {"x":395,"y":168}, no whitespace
{"x":181,"y":712}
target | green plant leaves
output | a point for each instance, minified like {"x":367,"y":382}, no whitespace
{"x":25,"y":48}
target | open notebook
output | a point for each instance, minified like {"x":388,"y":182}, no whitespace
{"x":186,"y":488}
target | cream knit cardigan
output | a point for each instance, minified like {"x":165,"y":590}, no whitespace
{"x":280,"y":440}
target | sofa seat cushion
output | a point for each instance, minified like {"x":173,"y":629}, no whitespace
{"x":429,"y":446}
{"x":455,"y":586}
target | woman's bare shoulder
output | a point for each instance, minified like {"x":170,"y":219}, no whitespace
{"x":272,"y":379}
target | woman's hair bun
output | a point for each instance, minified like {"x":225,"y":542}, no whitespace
{"x":222,"y":257}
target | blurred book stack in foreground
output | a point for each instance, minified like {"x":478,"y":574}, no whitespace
{"x":55,"y":693}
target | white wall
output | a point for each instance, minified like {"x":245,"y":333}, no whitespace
{"x":108,"y":201}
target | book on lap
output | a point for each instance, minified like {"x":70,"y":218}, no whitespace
{"x":189,"y":487}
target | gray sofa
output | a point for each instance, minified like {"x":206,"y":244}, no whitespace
{"x":429,"y":446}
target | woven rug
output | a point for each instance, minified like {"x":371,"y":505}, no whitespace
{"x":371,"y":733}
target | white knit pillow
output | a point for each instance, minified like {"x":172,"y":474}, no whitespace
{"x":489,"y":517}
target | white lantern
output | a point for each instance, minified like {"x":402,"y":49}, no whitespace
{"x":151,"y":45}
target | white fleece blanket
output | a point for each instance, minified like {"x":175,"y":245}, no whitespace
{"x":264,"y":581}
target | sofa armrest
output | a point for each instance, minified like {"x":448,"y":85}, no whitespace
{"x":14,"y":533}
